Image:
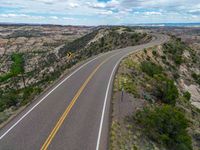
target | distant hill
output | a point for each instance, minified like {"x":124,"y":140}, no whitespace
{"x":167,"y":24}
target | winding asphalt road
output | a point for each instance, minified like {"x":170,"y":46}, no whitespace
{"x":73,"y":114}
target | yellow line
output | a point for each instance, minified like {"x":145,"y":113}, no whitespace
{"x":64,"y":115}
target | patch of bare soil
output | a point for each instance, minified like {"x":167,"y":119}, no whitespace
{"x":125,"y":104}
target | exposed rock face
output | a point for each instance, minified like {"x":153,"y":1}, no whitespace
{"x":195,"y":94}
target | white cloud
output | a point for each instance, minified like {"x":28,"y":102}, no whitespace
{"x":53,"y":17}
{"x":149,"y":13}
{"x":73,"y":5}
{"x":13,"y":15}
{"x":105,"y":12}
{"x":110,"y":4}
{"x":96,"y":5}
{"x":68,"y":18}
{"x":125,"y":11}
{"x":21,"y":16}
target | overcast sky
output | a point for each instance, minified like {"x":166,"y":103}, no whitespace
{"x":99,"y":12}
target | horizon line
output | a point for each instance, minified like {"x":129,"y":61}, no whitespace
{"x":125,"y":24}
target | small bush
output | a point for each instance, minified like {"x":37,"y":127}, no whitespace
{"x":145,"y":50}
{"x":178,"y":60}
{"x":166,"y":90}
{"x":18,"y":64}
{"x":165,"y":125}
{"x":187,"y":95}
{"x":163,"y":57}
{"x":128,"y":85}
{"x":176,"y":75}
{"x":8,"y":99}
{"x":196,"y":77}
{"x":151,"y":68}
{"x":154,"y":53}
{"x":5,"y":77}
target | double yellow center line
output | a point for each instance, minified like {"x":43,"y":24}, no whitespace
{"x":66,"y":112}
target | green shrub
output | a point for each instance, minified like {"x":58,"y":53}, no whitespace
{"x":127,"y":84}
{"x":166,"y":90}
{"x":154,"y":53}
{"x":17,"y":67}
{"x":5,"y":77}
{"x":178,"y":60}
{"x":18,"y":64}
{"x":165,"y":125}
{"x":29,"y":93}
{"x":196,"y":77}
{"x":163,"y":57}
{"x":8,"y":99}
{"x":145,"y":50}
{"x":151,"y":68}
{"x":187,"y":95}
{"x":176,"y":75}
{"x":130,"y":87}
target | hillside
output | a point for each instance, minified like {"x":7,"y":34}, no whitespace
{"x":156,"y":101}
{"x":105,"y":39}
{"x":24,"y":74}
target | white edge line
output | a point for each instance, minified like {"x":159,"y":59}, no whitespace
{"x":105,"y":101}
{"x":107,"y":91}
{"x":6,"y":132}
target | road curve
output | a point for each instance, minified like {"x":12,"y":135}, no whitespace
{"x":74,"y":113}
